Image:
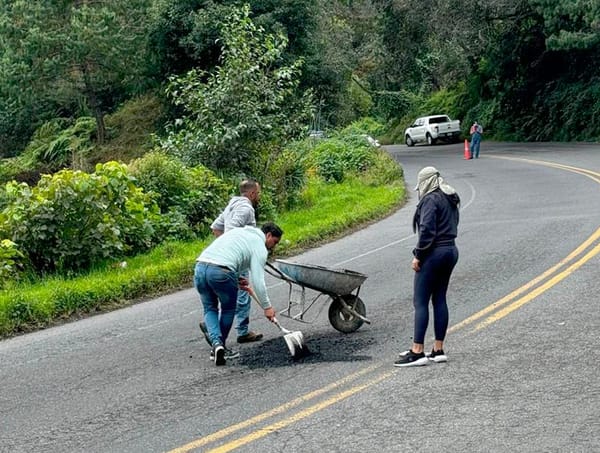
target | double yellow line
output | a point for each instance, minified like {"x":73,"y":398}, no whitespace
{"x":494,"y":312}
{"x":537,"y":291}
{"x":553,"y":275}
{"x":285,"y":408}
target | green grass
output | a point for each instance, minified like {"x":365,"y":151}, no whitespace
{"x":336,"y":209}
{"x":327,"y":211}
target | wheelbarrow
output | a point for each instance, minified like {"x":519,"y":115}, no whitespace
{"x":347,"y":311}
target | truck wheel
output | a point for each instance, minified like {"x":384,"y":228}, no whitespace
{"x":430,"y":140}
{"x":409,"y":141}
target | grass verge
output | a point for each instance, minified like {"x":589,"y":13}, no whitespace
{"x":327,"y":211}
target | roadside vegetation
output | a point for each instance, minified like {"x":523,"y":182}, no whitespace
{"x":126,"y":126}
{"x":35,"y":300}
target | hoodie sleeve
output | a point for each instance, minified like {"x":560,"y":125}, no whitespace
{"x":219,"y":223}
{"x":427,"y":227}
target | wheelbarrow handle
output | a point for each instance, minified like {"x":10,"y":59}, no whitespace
{"x":278,"y":274}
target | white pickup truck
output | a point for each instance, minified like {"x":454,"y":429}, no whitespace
{"x":431,"y":129}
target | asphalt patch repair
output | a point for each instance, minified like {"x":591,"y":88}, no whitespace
{"x":330,"y":347}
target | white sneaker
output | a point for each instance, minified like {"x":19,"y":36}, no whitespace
{"x":229,"y":354}
{"x":219,"y":355}
{"x":437,"y":356}
{"x":412,"y":359}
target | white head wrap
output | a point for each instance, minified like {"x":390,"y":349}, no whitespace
{"x":429,"y":179}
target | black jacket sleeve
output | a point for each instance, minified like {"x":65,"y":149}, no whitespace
{"x":427,"y":226}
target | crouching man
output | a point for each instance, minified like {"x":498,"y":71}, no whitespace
{"x":217,"y":279}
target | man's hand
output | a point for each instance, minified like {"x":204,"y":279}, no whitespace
{"x":416,"y":265}
{"x":243,"y":284}
{"x":270,"y":313}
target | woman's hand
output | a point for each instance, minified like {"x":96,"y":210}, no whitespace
{"x":416,"y":265}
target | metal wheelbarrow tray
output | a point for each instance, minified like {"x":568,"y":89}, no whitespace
{"x":347,"y":311}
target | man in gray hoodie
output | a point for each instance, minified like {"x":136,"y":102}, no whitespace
{"x":239,"y":212}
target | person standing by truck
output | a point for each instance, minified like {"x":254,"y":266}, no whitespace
{"x":476,"y":133}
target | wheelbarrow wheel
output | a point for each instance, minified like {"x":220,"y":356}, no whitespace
{"x":341,"y":319}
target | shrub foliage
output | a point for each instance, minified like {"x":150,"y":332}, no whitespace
{"x":73,"y":220}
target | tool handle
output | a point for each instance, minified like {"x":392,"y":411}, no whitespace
{"x":253,"y":296}
{"x":275,"y":321}
{"x":283,"y":329}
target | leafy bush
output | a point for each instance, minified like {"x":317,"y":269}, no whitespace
{"x":196,"y":193}
{"x":207,"y":196}
{"x":72,"y":219}
{"x":162,"y":175}
{"x":333,"y":158}
{"x":326,"y":158}
{"x":287,"y":176}
{"x":384,"y":170}
{"x":11,"y":262}
{"x":367,"y":125}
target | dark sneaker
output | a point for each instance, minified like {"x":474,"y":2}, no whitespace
{"x":219,"y":355}
{"x":250,"y":337}
{"x":412,"y":359}
{"x":205,"y":332}
{"x":437,"y":356}
{"x":229,"y":354}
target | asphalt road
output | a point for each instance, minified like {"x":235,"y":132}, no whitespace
{"x":522,"y":346}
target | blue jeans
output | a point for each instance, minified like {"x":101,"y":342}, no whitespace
{"x":475,"y":144}
{"x":242,"y":310}
{"x":218,"y":289}
{"x":431,"y":282}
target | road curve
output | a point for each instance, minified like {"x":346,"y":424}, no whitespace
{"x":522,"y":370}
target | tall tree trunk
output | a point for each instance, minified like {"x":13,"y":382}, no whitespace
{"x":94,"y":104}
{"x":100,"y":126}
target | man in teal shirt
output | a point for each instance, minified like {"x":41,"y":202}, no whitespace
{"x":217,"y":278}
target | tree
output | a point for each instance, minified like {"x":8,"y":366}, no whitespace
{"x":70,"y":57}
{"x":248,"y":105}
{"x":570,"y":24}
{"x":184,"y":34}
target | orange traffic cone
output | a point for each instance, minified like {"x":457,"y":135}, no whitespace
{"x":467,"y":153}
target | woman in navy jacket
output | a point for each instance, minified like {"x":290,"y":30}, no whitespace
{"x":436,"y":220}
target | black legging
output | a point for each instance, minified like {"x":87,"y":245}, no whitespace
{"x":431,"y":282}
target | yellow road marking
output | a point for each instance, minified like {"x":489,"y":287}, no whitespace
{"x":582,"y":171}
{"x":536,"y":292}
{"x":578,"y":251}
{"x":298,"y":416}
{"x":275,"y":411}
